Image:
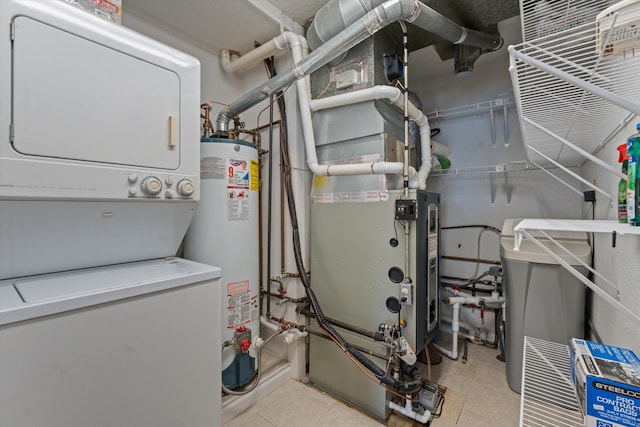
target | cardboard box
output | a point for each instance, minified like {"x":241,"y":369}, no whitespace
{"x":607,"y":380}
{"x":111,"y":10}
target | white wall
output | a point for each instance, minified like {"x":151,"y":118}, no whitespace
{"x":621,"y":265}
{"x":466,"y":198}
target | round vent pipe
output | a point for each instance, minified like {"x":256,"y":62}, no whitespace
{"x":337,"y":15}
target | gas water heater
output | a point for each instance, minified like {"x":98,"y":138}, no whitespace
{"x":224,"y":232}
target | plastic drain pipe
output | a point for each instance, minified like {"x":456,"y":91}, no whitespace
{"x":455,"y":321}
{"x":408,"y":411}
{"x":455,"y":327}
{"x":395,"y":96}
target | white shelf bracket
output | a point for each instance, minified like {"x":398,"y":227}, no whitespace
{"x":522,"y":230}
{"x":492,"y":183}
{"x":573,"y":174}
{"x":506,"y":126}
{"x":507,"y":187}
{"x":561,"y":181}
{"x":577,"y":149}
{"x":582,"y":263}
{"x":493,"y":127}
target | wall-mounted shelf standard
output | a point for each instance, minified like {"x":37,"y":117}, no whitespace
{"x":573,"y":91}
{"x":478,"y":170}
{"x":528,"y":227}
{"x":503,"y":168}
{"x":548,"y":396}
{"x":500,"y":104}
{"x":493,"y":171}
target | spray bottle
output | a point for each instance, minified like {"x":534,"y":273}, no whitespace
{"x":633,"y":182}
{"x":623,"y":158}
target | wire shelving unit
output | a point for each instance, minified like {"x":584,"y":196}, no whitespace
{"x":548,"y":397}
{"x":576,"y":88}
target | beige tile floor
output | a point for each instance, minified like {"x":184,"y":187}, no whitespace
{"x":477,"y":396}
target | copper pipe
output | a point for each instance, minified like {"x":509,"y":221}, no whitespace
{"x":286,"y":298}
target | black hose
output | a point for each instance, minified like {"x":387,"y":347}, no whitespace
{"x":487,"y":227}
{"x":499,"y":333}
{"x":404,"y":387}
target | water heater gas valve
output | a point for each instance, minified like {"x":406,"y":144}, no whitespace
{"x":242,"y":338}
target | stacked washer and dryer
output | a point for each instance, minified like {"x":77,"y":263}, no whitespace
{"x":99,"y":179}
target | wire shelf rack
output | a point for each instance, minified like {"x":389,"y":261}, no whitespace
{"x":542,"y":17}
{"x":548,"y":396}
{"x":562,"y":82}
{"x":574,"y":91}
{"x":480,"y":170}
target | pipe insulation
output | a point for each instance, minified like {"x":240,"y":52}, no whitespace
{"x":388,"y":12}
{"x":339,"y":14}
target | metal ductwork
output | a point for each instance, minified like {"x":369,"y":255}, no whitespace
{"x":339,"y":14}
{"x":359,"y":20}
{"x":443,"y":23}
{"x":383,"y":15}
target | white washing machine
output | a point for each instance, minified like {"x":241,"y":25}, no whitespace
{"x":131,"y":345}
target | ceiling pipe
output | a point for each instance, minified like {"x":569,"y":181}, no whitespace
{"x":388,"y":12}
{"x":336,"y":15}
{"x":357,"y":30}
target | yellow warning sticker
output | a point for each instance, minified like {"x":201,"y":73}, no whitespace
{"x":254,"y":173}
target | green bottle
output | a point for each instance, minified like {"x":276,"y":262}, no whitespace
{"x":633,"y":187}
{"x":622,"y":185}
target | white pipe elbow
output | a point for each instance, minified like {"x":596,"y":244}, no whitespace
{"x":408,"y":411}
{"x":225,"y":59}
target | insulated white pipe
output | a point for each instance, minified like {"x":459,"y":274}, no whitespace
{"x":474,"y":300}
{"x":299,"y":48}
{"x":394,"y":95}
{"x":273,"y":47}
{"x":289,"y":336}
{"x":455,"y":327}
{"x":408,"y":411}
{"x":461,"y":324}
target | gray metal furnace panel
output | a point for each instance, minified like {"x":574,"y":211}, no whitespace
{"x":335,"y":373}
{"x":351,"y":255}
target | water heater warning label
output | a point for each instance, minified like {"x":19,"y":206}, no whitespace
{"x":242,"y":307}
{"x":212,"y":168}
{"x":255,"y":173}
{"x":238,"y":187}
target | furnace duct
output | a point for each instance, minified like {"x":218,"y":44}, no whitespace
{"x":348,"y":31}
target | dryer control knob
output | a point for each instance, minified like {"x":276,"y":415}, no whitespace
{"x":133,"y":178}
{"x":185,"y":188}
{"x":169,"y":194}
{"x":133,"y":191}
{"x":169,"y":180}
{"x":151,"y":186}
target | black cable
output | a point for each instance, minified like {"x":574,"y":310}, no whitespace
{"x":440,"y":405}
{"x":403,"y":387}
{"x":487,"y":227}
{"x":499,"y":336}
